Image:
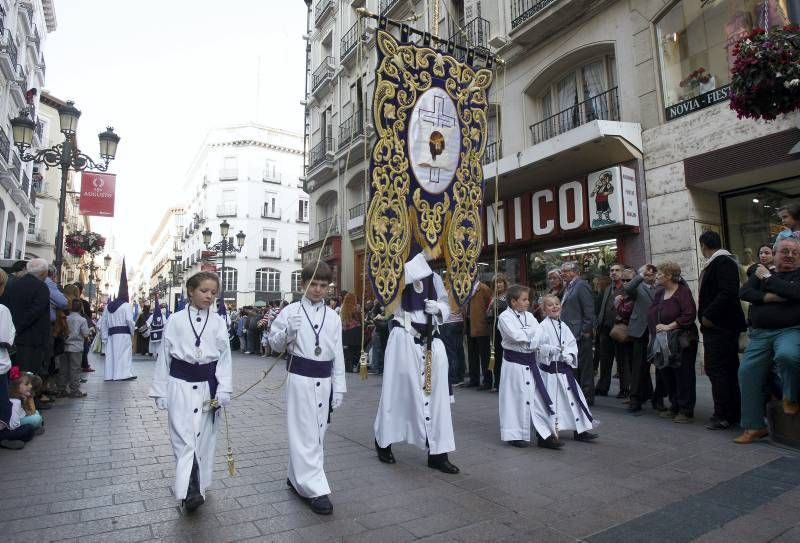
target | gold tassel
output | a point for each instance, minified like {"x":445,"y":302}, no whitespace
{"x":362,"y":367}
{"x":428,"y":367}
{"x":491,"y":359}
{"x":231,"y":464}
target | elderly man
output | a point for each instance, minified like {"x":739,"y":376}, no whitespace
{"x":610,"y":349}
{"x":28,"y":300}
{"x":641,"y":289}
{"x":775,"y":336}
{"x":577,"y":312}
{"x":722,"y":320}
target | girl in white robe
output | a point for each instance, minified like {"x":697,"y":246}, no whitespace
{"x":193,"y":367}
{"x":523,"y":394}
{"x":405,"y":412}
{"x":569,"y":404}
{"x":311,"y":332}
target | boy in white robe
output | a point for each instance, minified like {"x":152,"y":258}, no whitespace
{"x":524,"y":398}
{"x":193,"y":367}
{"x":311,"y":332}
{"x":569,"y":404}
{"x":405,"y":411}
{"x":116,"y":330}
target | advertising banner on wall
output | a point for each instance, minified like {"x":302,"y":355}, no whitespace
{"x":612,"y":197}
{"x":97,"y":194}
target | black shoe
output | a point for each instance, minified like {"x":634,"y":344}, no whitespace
{"x":131,"y":378}
{"x":321,"y":505}
{"x":586,"y":437}
{"x":521,"y":443}
{"x":634,"y":407}
{"x":385,"y":453}
{"x":621,"y":395}
{"x":658,"y":405}
{"x":441,"y":462}
{"x":718,"y":424}
{"x":549,"y":443}
{"x":191,"y":503}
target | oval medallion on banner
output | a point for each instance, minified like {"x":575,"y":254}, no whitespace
{"x":434,"y":141}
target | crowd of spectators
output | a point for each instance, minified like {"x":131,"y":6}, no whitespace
{"x":44,"y":331}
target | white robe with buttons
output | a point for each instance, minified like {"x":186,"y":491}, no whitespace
{"x":119,"y":362}
{"x":308,"y":398}
{"x":192,"y":430}
{"x":568,"y":412}
{"x":405,"y":412}
{"x":520,"y":403}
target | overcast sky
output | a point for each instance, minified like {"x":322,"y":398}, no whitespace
{"x":163,"y":73}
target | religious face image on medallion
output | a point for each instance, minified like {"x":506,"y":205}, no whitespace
{"x":434,"y":141}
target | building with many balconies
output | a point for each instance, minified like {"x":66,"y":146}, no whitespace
{"x":24,"y":26}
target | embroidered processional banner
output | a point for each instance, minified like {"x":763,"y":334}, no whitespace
{"x":426,"y":179}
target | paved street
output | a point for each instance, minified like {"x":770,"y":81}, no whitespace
{"x":103,"y":470}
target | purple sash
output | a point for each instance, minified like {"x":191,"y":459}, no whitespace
{"x":112,"y":330}
{"x":195,"y":373}
{"x":317,"y":369}
{"x":529,"y":359}
{"x":564,"y":369}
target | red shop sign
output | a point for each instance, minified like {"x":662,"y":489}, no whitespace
{"x":97,"y":194}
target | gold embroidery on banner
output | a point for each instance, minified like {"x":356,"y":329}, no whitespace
{"x":452,"y":227}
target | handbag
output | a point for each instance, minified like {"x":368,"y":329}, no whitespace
{"x":619,"y":333}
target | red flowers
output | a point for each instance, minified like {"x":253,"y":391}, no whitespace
{"x":765,"y":78}
{"x":80,"y":243}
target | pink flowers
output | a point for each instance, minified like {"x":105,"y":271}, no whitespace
{"x":80,"y":243}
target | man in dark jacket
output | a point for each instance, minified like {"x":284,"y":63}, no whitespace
{"x":28,"y":300}
{"x":774,"y":337}
{"x":577,"y":312}
{"x":610,"y":349}
{"x":640,"y":289}
{"x":721,"y":321}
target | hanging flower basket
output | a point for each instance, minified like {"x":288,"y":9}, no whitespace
{"x":765,"y":79}
{"x":80,"y":243}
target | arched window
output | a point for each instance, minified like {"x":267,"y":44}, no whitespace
{"x":230,"y":280}
{"x":268,"y":280}
{"x":297,"y":282}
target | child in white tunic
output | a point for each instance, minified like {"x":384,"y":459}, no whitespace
{"x":523,"y":395}
{"x":569,"y":404}
{"x":311,"y":332}
{"x":193,"y":367}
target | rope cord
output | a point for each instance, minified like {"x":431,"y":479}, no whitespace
{"x":362,"y":362}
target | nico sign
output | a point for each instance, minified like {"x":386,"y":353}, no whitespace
{"x":97,"y":194}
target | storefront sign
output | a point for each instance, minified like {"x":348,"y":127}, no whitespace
{"x":559,"y":210}
{"x":697,"y":103}
{"x":97,"y":194}
{"x":612,"y":197}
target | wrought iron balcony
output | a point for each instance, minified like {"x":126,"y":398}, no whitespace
{"x":39,"y":129}
{"x":22,"y":77}
{"x":324,"y":225}
{"x":25,"y":183}
{"x":387,"y":5}
{"x":604,"y":106}
{"x":267,"y":213}
{"x":475,"y":34}
{"x":350,"y":40}
{"x":492,"y":153}
{"x":227,"y":209}
{"x":351,"y":128}
{"x":323,"y":73}
{"x":266,"y":253}
{"x":5,"y":145}
{"x":319,"y":153}
{"x":16,"y":166}
{"x":27,"y":7}
{"x":322,"y":8}
{"x":357,"y":210}
{"x":10,"y":48}
{"x":40,"y":236}
{"x":522,"y":10}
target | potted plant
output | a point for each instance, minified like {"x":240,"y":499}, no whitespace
{"x":765,"y":78}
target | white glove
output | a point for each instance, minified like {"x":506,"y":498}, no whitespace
{"x":223,"y":399}
{"x":432,"y":307}
{"x":336,"y":401}
{"x":547,"y":350}
{"x":293,"y":325}
{"x":161,"y":403}
{"x":565,"y":358}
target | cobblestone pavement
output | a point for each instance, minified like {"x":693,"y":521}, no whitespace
{"x":103,"y":470}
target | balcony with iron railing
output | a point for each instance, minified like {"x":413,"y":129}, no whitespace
{"x":39,"y":130}
{"x":355,"y":218}
{"x":9,"y":47}
{"x":473,"y":35}
{"x":322,"y":74}
{"x":604,"y":107}
{"x":321,"y":9}
{"x":385,"y":6}
{"x":350,"y":39}
{"x":39,"y":236}
{"x":16,"y":166}
{"x":26,"y":183}
{"x":491,"y":153}
{"x":5,"y":145}
{"x":227,"y":209}
{"x":267,"y":253}
{"x":523,"y":10}
{"x":328,"y":227}
{"x":35,"y":40}
{"x":268,"y":213}
{"x":351,"y":128}
{"x":26,"y":12}
{"x":321,"y":153}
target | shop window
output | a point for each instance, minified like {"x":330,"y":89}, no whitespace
{"x":696,"y":39}
{"x":594,"y":260}
{"x":751,"y":217}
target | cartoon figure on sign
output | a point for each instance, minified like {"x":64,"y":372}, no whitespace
{"x":603,"y":187}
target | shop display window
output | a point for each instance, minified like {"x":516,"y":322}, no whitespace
{"x":696,"y":39}
{"x":510,"y":266}
{"x":593,"y":259}
{"x":751,"y":218}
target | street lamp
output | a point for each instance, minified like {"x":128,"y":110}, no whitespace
{"x":92,"y":268}
{"x":65,"y":155}
{"x":224,"y":246}
{"x":175,"y":274}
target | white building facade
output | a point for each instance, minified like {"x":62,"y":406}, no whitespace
{"x":24,"y":26}
{"x":248,"y":176}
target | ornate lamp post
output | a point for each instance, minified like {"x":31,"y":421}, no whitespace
{"x":224,"y":246}
{"x":175,"y":274}
{"x":65,"y":155}
{"x":92,"y":268}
